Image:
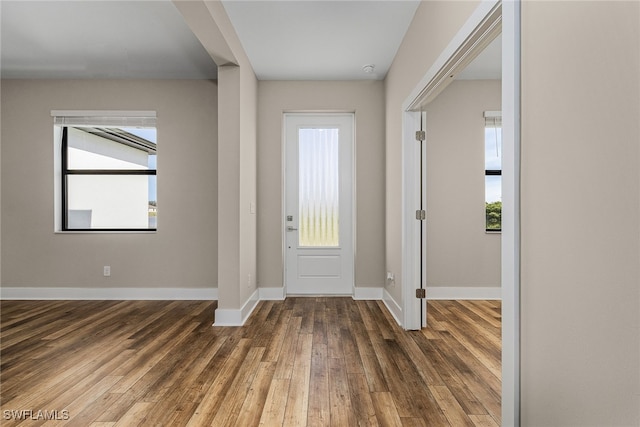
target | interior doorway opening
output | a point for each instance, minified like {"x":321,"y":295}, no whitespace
{"x":489,"y":19}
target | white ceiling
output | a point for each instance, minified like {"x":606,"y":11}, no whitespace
{"x":320,"y":40}
{"x":99,"y":39}
{"x":284,"y":40}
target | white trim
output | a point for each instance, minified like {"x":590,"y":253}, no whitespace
{"x":464,"y":293}
{"x":235,"y":317}
{"x":367,"y":293}
{"x":394,"y":308}
{"x":71,"y":293}
{"x":228,"y":317}
{"x":473,"y":37}
{"x":492,"y":114}
{"x":511,"y":46}
{"x":69,"y":232}
{"x":275,"y":293}
{"x":104,"y":118}
{"x":102,"y":113}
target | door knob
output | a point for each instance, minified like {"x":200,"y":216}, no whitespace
{"x":290,"y":228}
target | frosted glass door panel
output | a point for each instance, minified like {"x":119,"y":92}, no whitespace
{"x":319,"y":195}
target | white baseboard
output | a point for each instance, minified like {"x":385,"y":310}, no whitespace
{"x":227,"y":317}
{"x":367,"y":293}
{"x":235,"y":317}
{"x":464,"y":293}
{"x":275,"y":294}
{"x":394,"y":308}
{"x":45,"y":293}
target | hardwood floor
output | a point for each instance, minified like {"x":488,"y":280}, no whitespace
{"x":298,"y":362}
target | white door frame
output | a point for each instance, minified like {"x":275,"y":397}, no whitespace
{"x":352,"y":190}
{"x":430,"y":85}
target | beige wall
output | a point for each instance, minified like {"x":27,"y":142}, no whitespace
{"x":237,"y":98}
{"x":434,"y":25}
{"x":237,"y":191}
{"x":183,"y":252}
{"x":248,"y":184}
{"x":459,"y":251}
{"x":366,"y":98}
{"x":580,"y":214}
{"x":1,"y":185}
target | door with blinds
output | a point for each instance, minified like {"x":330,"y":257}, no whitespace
{"x":318,"y":223}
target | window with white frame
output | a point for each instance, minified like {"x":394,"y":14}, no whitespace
{"x":493,"y":170}
{"x":106,"y":168}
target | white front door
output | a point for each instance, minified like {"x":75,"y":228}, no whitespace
{"x":318,"y":221}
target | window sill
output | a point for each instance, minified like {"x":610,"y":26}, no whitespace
{"x":105,"y":231}
{"x":493,"y":232}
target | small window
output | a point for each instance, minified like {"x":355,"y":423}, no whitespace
{"x":493,"y":170}
{"x":108,"y":169}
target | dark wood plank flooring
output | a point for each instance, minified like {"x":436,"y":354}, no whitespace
{"x":298,"y":362}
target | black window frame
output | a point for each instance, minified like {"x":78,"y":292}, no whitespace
{"x":493,"y":172}
{"x":66,"y":172}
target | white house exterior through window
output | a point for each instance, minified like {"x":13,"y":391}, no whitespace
{"x":107,"y":172}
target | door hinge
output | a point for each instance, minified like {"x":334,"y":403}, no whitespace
{"x":421,"y":214}
{"x":421,"y":293}
{"x":421,"y":135}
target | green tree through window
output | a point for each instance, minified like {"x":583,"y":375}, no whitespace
{"x":493,"y":170}
{"x":494,"y":216}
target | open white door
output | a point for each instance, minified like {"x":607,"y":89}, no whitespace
{"x":319,"y":204}
{"x":414,"y":219}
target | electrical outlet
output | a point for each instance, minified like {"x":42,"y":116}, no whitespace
{"x":106,"y":271}
{"x":391,"y":279}
{"x":249,"y":280}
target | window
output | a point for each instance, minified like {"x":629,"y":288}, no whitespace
{"x":107,"y":173}
{"x":493,"y":170}
{"x":319,"y":182}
